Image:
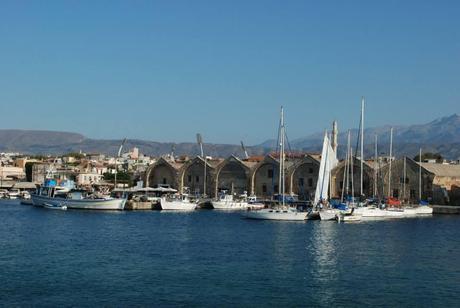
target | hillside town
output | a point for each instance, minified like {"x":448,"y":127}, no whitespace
{"x":251,"y":175}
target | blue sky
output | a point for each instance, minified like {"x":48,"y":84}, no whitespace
{"x":165,"y":70}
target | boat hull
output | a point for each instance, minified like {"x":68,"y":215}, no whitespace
{"x":328,"y":214}
{"x":419,"y":211}
{"x":225,"y":205}
{"x":348,"y":217}
{"x":272,"y":214}
{"x":81,"y":204}
{"x":177,"y":205}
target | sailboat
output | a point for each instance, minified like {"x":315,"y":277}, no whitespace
{"x":282,"y":211}
{"x":368,"y":212}
{"x":328,"y":162}
{"x":422,"y":208}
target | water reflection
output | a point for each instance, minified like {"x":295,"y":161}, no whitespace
{"x":322,"y":253}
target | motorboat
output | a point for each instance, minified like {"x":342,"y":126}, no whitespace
{"x":178,"y":203}
{"x":287,"y":213}
{"x":254,"y":203}
{"x":14,"y":194}
{"x":52,"y":195}
{"x":228,"y":202}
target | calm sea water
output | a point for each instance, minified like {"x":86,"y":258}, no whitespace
{"x":209,"y":258}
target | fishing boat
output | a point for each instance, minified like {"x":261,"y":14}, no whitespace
{"x":254,"y":203}
{"x":282,"y":211}
{"x":228,"y":202}
{"x":177,"y":203}
{"x":50,"y":195}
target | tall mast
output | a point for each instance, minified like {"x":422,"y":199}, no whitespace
{"x":362,"y":146}
{"x":352,"y":175}
{"x":391,"y":155}
{"x":345,"y":174}
{"x":375,"y":167}
{"x":281,"y":157}
{"x":420,"y":176}
{"x":348,"y":161}
{"x":404,"y":179}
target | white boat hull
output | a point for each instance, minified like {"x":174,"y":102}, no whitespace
{"x":419,"y":211}
{"x":345,"y":217}
{"x":274,"y":214}
{"x":328,"y":214}
{"x":55,"y":207}
{"x":226,"y":205}
{"x":82,"y":204}
{"x":371,"y":213}
{"x":177,"y":205}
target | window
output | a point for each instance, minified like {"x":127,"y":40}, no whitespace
{"x":276,"y":188}
{"x":395,"y":193}
{"x":164,"y":180}
{"x":270,"y":173}
{"x":197,"y":179}
{"x":310,"y":170}
{"x":412,"y":194}
{"x":190,"y":179}
{"x":264,"y":188}
{"x":310,"y":182}
{"x":301,"y":182}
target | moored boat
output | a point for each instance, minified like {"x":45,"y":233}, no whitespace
{"x":82,"y":203}
{"x":281,"y":211}
{"x":50,"y":194}
{"x":287,"y":214}
{"x":177,"y":203}
{"x":227,"y":202}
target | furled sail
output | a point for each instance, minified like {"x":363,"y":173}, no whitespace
{"x":328,"y":162}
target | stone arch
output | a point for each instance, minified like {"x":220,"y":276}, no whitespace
{"x":264,"y":178}
{"x":192,"y":176}
{"x":232,"y":173}
{"x":162,"y":172}
{"x":303,"y":177}
{"x":338,"y":179}
{"x":408,"y":192}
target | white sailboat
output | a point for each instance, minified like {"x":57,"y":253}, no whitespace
{"x":328,"y":162}
{"x":282,"y":211}
{"x":368,"y":212}
{"x":421,"y":209}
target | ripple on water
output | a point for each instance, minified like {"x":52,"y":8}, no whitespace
{"x":207,"y":258}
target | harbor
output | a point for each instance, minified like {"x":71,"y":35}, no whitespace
{"x":215,"y":258}
{"x":282,"y":185}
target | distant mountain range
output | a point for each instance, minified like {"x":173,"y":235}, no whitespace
{"x":441,"y":135}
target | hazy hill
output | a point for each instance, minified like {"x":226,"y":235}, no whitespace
{"x":441,"y":135}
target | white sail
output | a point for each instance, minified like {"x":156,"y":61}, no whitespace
{"x":328,"y":162}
